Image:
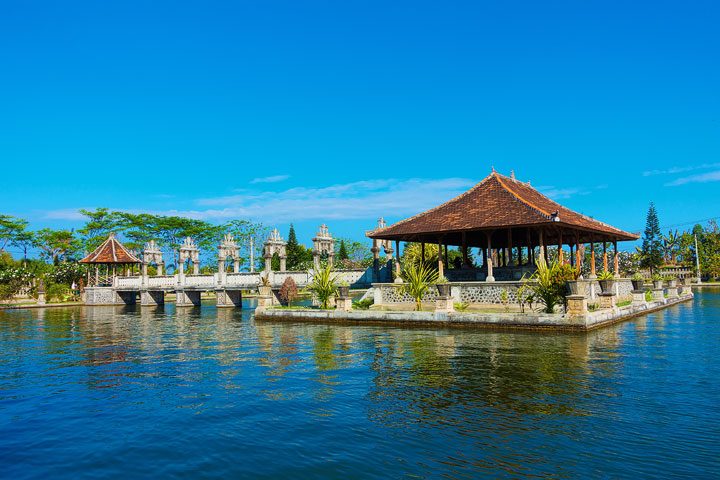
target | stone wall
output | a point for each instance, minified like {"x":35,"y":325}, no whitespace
{"x":469,"y":292}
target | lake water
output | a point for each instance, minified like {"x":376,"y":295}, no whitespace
{"x":133,"y":392}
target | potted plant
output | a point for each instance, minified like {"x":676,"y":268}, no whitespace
{"x":443,"y":287}
{"x":607,"y":281}
{"x":343,"y":290}
{"x":571,"y":274}
{"x":657,"y":281}
{"x":671,"y":281}
{"x":638,"y":281}
{"x":265,"y":289}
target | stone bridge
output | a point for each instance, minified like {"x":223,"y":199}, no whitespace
{"x":188,"y":288}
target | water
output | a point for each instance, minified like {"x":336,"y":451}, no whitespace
{"x":147,"y":393}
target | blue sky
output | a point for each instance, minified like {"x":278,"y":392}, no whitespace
{"x":340,"y":112}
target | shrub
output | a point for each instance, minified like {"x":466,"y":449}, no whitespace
{"x":461,"y":307}
{"x":324,"y":285}
{"x":363,"y":304}
{"x":417,"y":280}
{"x":605,"y":275}
{"x":550,"y":283}
{"x":57,"y":292}
{"x":288,"y":291}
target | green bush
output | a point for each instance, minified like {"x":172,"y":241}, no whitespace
{"x":363,"y":304}
{"x":57,"y":292}
{"x":550,"y":280}
{"x":324,"y":285}
{"x":417,"y":279}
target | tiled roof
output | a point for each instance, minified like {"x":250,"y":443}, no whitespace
{"x":111,"y":251}
{"x":497,"y":202}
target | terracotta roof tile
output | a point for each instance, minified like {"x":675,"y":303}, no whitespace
{"x":496,"y":202}
{"x":111,"y":251}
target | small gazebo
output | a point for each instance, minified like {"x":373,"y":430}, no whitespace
{"x":507,"y":220}
{"x":112,"y":255}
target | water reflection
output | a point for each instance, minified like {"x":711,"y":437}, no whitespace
{"x":417,"y":390}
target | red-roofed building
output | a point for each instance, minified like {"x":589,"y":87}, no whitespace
{"x":504,"y":214}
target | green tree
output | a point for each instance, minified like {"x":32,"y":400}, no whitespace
{"x":56,"y":245}
{"x":10,"y":228}
{"x":342,"y":252}
{"x":651,"y":251}
{"x":295,"y":252}
{"x":100,"y":223}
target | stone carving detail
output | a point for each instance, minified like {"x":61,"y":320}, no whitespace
{"x":323,"y":245}
{"x":275,"y":244}
{"x":152,"y":254}
{"x":228,"y":248}
{"x":188,"y":251}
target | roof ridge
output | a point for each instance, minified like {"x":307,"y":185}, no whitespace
{"x":516,"y":195}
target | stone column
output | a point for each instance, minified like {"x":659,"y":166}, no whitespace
{"x":616,"y":260}
{"x":316,"y":261}
{"x":441,"y":265}
{"x":236,"y":265}
{"x":196,"y":268}
{"x":490,"y":277}
{"x":282,"y":264}
{"x":376,"y":262}
{"x":268,"y":263}
{"x":593,"y":272}
{"x":252,"y":255}
{"x":160,"y":268}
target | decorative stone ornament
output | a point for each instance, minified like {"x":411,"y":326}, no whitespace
{"x":275,"y":244}
{"x":152,"y":254}
{"x":189,"y":251}
{"x":323,"y":245}
{"x":228,"y":248}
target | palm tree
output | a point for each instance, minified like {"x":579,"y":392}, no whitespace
{"x":671,"y":242}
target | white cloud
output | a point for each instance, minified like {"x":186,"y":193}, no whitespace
{"x":271,"y":179}
{"x":65,"y":214}
{"x":366,"y":199}
{"x":676,"y":170}
{"x":701,"y":178}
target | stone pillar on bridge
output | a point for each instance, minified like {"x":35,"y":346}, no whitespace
{"x":228,"y":248}
{"x":189,"y":251}
{"x":275,"y":244}
{"x":151,"y":254}
{"x":323,"y":246}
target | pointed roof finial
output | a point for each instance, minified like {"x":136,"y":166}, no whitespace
{"x":512,"y":174}
{"x":493,"y":169}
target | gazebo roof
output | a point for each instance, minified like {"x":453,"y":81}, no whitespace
{"x":111,"y":251}
{"x":498,"y":202}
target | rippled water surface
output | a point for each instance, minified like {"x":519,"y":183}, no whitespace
{"x":131,"y":392}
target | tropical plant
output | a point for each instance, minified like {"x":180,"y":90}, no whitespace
{"x":324,"y":285}
{"x":363,"y":304}
{"x":525,"y":295}
{"x":504,"y":300}
{"x":637,"y":276}
{"x":417,"y":279}
{"x":656,"y":277}
{"x":461,"y":306}
{"x":606,"y":275}
{"x":549,"y":283}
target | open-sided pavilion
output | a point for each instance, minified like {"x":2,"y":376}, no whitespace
{"x":510,"y":222}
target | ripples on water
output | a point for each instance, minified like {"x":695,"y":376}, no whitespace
{"x":150,"y":393}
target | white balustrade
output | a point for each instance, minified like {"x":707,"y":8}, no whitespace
{"x":162,"y":281}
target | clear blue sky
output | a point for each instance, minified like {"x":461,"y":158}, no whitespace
{"x":340,"y":112}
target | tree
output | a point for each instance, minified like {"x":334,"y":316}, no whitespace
{"x":342,"y":252}
{"x":56,"y":245}
{"x":651,"y":251}
{"x":295,"y":252}
{"x":101,"y":222}
{"x":24,"y":240}
{"x":10,"y":228}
